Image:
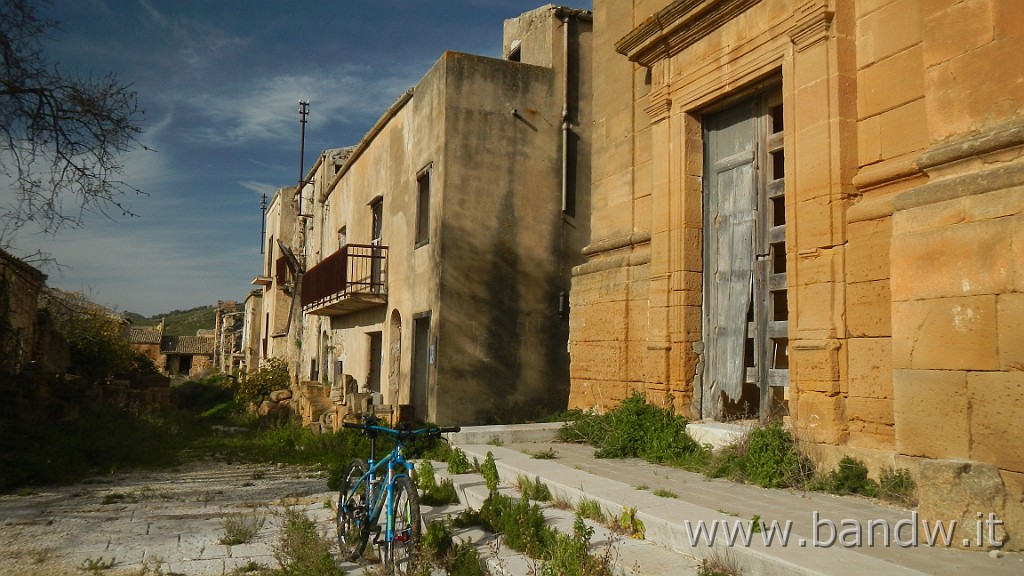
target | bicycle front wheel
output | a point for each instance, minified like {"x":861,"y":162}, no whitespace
{"x":399,"y":554}
{"x":352,"y":513}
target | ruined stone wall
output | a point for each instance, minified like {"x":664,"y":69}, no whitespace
{"x":19,"y":302}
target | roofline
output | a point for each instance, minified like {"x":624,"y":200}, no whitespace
{"x":367,"y":139}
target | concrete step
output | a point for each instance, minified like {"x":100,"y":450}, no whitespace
{"x":664,"y":522}
{"x":628,"y":556}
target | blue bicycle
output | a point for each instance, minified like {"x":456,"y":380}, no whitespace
{"x":373,"y":488}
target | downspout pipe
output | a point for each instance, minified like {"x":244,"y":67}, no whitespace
{"x":565,"y":112}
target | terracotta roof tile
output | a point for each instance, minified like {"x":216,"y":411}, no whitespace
{"x":151,"y":335}
{"x":202,"y":345}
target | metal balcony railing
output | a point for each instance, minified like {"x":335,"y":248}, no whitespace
{"x":353,"y":278}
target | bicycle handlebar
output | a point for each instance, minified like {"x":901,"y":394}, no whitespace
{"x":432,"y":431}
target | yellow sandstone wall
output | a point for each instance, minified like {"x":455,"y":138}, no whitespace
{"x":904,"y":134}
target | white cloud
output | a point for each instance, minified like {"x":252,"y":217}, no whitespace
{"x":266,"y":109}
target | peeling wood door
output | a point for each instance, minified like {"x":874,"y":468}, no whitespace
{"x":745,"y":312}
{"x":729,"y":211}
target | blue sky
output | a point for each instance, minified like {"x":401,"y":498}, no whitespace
{"x":220,"y":83}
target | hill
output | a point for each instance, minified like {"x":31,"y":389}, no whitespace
{"x":180,"y":322}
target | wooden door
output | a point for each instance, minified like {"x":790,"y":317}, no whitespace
{"x":745,"y":312}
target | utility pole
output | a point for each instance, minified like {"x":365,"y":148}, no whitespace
{"x":263,"y":222}
{"x":303,"y":112}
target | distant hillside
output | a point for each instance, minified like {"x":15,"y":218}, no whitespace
{"x":180,"y":322}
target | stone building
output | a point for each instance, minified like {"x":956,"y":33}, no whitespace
{"x":438,"y":250}
{"x":815,"y":208}
{"x":188,"y":355}
{"x":252,"y":328}
{"x":20,"y":285}
{"x":277,"y":279}
{"x":146,"y":339}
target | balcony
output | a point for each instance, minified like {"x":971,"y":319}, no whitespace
{"x":353,"y":278}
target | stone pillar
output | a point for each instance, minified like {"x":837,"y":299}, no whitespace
{"x":821,"y":158}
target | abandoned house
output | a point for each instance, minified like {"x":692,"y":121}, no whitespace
{"x":437,"y":252}
{"x":815,"y":210}
{"x":276,"y":280}
{"x":28,"y":339}
{"x":175,"y":355}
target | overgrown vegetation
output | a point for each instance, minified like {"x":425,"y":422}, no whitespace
{"x":523,"y":528}
{"x":897,"y":485}
{"x":636,"y":428}
{"x":205,"y":426}
{"x":95,"y":336}
{"x":432,"y":493}
{"x":458,"y":462}
{"x":533,"y":489}
{"x":271,"y":375}
{"x":768,"y":456}
{"x":302,"y":550}
{"x":456,"y":558}
{"x":241,"y":528}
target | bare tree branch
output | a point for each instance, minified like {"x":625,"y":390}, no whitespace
{"x":62,"y":139}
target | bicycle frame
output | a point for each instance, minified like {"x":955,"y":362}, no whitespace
{"x":383,"y":500}
{"x":365,"y":498}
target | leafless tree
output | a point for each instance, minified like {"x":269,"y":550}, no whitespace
{"x":62,"y":137}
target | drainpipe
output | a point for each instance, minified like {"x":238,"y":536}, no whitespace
{"x":565,"y":111}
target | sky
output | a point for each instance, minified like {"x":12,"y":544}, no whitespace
{"x":219,"y":82}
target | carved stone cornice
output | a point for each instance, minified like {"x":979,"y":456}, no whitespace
{"x":811,"y":23}
{"x":659,"y":106}
{"x":676,"y":27}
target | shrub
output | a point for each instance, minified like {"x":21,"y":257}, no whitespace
{"x":850,"y":477}
{"x":772,"y":459}
{"x":636,"y":428}
{"x":521,"y":523}
{"x":255,"y":386}
{"x":458,"y":462}
{"x":897,"y":486}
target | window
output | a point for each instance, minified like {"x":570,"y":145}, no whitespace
{"x":377,"y":221}
{"x":515,"y":52}
{"x":423,"y":207}
{"x":342,"y":237}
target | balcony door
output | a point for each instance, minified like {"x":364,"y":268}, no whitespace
{"x":376,"y":239}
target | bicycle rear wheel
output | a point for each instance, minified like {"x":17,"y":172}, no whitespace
{"x":399,"y":554}
{"x":352,"y":512}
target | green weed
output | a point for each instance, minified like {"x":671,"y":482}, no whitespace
{"x":489,"y":470}
{"x":302,"y":550}
{"x":897,"y":485}
{"x":241,"y":528}
{"x":533,"y":489}
{"x":590,"y":509}
{"x":458,"y":462}
{"x":665,"y":493}
{"x":548,"y":454}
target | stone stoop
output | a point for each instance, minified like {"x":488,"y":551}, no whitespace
{"x":663,"y":520}
{"x":630,"y":557}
